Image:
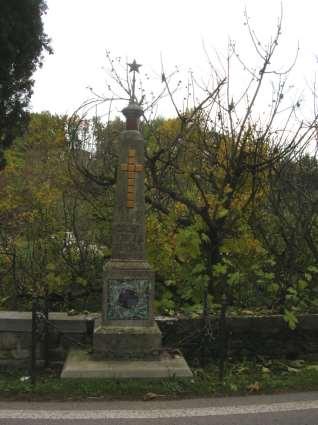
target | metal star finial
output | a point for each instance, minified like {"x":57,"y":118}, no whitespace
{"x":134,"y":67}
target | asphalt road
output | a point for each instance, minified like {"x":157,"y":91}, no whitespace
{"x":291,"y":409}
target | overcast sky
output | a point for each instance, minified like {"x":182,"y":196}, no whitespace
{"x":176,"y":30}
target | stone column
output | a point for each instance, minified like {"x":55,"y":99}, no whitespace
{"x":128,"y":233}
{"x":127,"y":325}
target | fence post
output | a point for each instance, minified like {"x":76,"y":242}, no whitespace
{"x":33,"y":341}
{"x":223,"y":337}
{"x":46,"y":333}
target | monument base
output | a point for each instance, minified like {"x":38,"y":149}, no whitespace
{"x":80,"y":364}
{"x":126,"y":341}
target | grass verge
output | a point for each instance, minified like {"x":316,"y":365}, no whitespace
{"x":240,"y":379}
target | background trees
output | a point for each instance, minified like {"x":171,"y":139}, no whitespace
{"x":56,"y":209}
{"x":286,"y":224}
{"x":231,"y":197}
{"x":47,"y":243}
{"x":22,"y":41}
{"x":217,"y":165}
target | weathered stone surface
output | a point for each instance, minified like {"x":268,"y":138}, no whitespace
{"x":128,"y":234}
{"x":127,"y":325}
{"x":126,"y":341}
{"x":15,"y":321}
{"x":79,"y":364}
{"x":20,"y":353}
{"x":21,"y":321}
{"x":185,"y":334}
{"x":8,"y":340}
{"x":65,"y":332}
{"x":15,"y":347}
{"x":128,"y":289}
{"x":245,"y":337}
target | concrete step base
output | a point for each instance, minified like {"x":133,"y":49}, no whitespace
{"x":80,"y":364}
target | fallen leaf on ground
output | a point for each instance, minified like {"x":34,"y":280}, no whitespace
{"x":312,"y":367}
{"x":297,"y":363}
{"x":254,"y":388}
{"x":152,"y":396}
{"x":293,"y":370}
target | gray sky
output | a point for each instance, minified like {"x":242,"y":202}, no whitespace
{"x":176,"y":30}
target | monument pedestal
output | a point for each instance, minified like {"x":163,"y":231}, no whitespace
{"x":124,"y":342}
{"x":127,"y":328}
{"x":127,"y":340}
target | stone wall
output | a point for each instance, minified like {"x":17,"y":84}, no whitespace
{"x":245,"y":336}
{"x":64,"y":332}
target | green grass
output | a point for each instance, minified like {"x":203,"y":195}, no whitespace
{"x":241,"y":378}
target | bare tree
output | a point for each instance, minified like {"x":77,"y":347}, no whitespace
{"x":221,"y":149}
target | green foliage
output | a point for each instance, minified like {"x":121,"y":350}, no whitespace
{"x":47,"y":245}
{"x":290,"y":318}
{"x":22,"y":41}
{"x":205,"y":238}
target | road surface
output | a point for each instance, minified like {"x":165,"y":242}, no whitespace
{"x":290,"y":409}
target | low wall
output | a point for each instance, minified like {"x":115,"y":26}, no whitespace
{"x":64,"y":332}
{"x":245,"y":336}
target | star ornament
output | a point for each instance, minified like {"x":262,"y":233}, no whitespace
{"x":134,"y":66}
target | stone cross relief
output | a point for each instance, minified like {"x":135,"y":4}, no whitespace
{"x":131,"y":168}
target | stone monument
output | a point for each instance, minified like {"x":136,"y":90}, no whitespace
{"x":127,"y":340}
{"x":127,"y":326}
